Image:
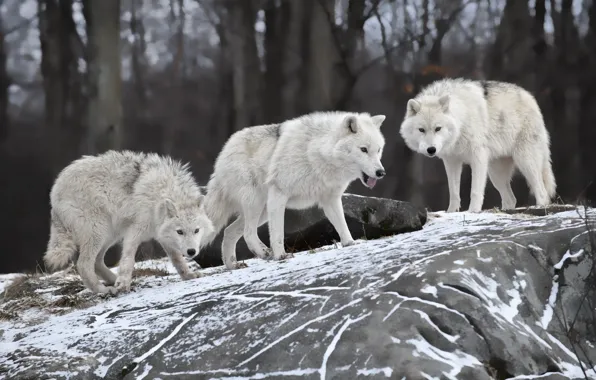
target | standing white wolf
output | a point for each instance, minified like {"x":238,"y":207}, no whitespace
{"x":300,"y":163}
{"x":128,"y":197}
{"x":492,"y":126}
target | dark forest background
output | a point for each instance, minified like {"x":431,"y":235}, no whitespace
{"x":179,"y":76}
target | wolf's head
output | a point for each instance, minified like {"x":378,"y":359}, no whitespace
{"x":181,"y":227}
{"x":428,"y":126}
{"x":360,"y":147}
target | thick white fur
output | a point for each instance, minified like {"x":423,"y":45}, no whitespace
{"x":303,"y":162}
{"x":128,"y":197}
{"x":492,"y":126}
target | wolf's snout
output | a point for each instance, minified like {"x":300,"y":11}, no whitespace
{"x":431,"y":150}
{"x":380,"y":173}
{"x":191,"y":251}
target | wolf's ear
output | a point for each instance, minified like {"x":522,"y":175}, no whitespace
{"x":351,"y":124}
{"x":200,"y":199}
{"x":444,"y":102}
{"x":413,"y":107}
{"x":166,"y":209}
{"x":378,"y":120}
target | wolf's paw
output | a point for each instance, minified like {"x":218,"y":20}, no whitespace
{"x":348,"y":243}
{"x":104,"y":290}
{"x":283,"y":256}
{"x":122,"y":285}
{"x":236,"y":265}
{"x":191,"y":275}
{"x":263,"y":253}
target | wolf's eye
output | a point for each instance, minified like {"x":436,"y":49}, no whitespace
{"x":196,"y":231}
{"x":364,"y":150}
{"x":180,"y":232}
{"x":437,"y":129}
{"x":421,"y":130}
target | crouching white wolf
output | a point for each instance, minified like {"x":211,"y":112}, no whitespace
{"x":128,"y":197}
{"x":492,"y":126}
{"x":300,"y":163}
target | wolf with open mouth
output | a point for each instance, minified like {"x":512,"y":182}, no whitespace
{"x":303,"y":162}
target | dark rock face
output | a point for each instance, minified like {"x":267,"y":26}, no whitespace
{"x":367,"y":218}
{"x":471,"y":296}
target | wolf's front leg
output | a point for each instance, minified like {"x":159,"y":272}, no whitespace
{"x":334,"y":211}
{"x":276,"y":208}
{"x":453,"y":168}
{"x":479,"y":176}
{"x":180,"y":264}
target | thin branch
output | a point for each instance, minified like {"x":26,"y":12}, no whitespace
{"x":21,"y":24}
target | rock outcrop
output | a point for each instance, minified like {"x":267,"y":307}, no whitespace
{"x":367,"y":218}
{"x":470,"y":296}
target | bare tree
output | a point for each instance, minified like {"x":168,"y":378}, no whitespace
{"x":59,"y":38}
{"x":240,"y":17}
{"x":4,"y":85}
{"x":137,"y":29}
{"x":104,"y":112}
{"x":508,"y":59}
{"x":587,"y":133}
{"x":564,"y":96}
{"x":277,"y":24}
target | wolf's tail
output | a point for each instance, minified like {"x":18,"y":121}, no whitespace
{"x":61,"y":247}
{"x":549,"y":177}
{"x":218,"y":210}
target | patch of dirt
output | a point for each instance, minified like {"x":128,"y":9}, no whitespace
{"x":55,"y":294}
{"x":145,"y":272}
{"x":62,"y":292}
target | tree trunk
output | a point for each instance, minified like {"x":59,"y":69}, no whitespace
{"x":104,"y":113}
{"x":245,"y":62}
{"x":355,"y":35}
{"x":172,"y":131}
{"x":4,"y":85}
{"x":137,"y":29}
{"x":322,"y":57}
{"x":564,"y":91}
{"x":57,"y":34}
{"x":295,"y":59}
{"x":508,"y":58}
{"x":276,"y":34}
{"x":223,"y":121}
{"x":587,"y":132}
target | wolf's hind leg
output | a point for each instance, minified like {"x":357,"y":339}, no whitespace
{"x":500,"y":172}
{"x":86,"y":265}
{"x":254,"y":216}
{"x":102,"y":270}
{"x":276,"y":208}
{"x":530,"y":161}
{"x":232,"y":234}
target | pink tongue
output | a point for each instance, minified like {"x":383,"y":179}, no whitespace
{"x":371,"y":182}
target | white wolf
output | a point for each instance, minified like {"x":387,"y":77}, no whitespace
{"x":128,"y":197}
{"x":492,"y":126}
{"x":300,"y":163}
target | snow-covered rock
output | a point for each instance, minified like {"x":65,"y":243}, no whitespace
{"x":470,"y":296}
